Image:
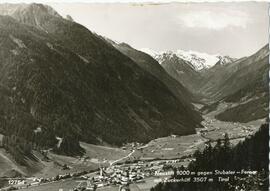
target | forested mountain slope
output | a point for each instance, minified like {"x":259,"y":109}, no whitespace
{"x":60,"y":80}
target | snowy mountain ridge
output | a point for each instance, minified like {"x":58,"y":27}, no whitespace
{"x":198,"y":60}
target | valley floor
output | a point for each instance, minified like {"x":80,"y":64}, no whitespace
{"x":173,"y":150}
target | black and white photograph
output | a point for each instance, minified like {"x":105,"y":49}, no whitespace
{"x":134,"y":95}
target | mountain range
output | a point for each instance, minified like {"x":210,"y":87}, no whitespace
{"x":197,"y":60}
{"x":58,"y":79}
{"x":240,"y":84}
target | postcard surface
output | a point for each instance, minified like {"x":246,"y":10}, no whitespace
{"x":134,"y":96}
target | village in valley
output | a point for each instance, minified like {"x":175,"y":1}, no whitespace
{"x":142,"y":164}
{"x":117,"y":175}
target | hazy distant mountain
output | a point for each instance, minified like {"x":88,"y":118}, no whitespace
{"x":59,"y":78}
{"x":197,"y":60}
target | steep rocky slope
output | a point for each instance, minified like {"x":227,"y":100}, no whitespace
{"x":60,"y":80}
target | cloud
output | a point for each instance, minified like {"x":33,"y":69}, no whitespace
{"x":214,"y":20}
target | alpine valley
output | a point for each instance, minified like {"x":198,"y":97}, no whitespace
{"x":238,"y":86}
{"x":72,"y":100}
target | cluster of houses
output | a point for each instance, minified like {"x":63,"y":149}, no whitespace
{"x":121,"y":175}
{"x":133,"y":145}
{"x":116,"y":175}
{"x":124,"y":174}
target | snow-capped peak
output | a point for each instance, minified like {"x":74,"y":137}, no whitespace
{"x":198,"y":60}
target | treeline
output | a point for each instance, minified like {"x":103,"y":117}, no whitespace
{"x":251,"y":154}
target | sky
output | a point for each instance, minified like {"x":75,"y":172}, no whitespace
{"x":236,"y":29}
